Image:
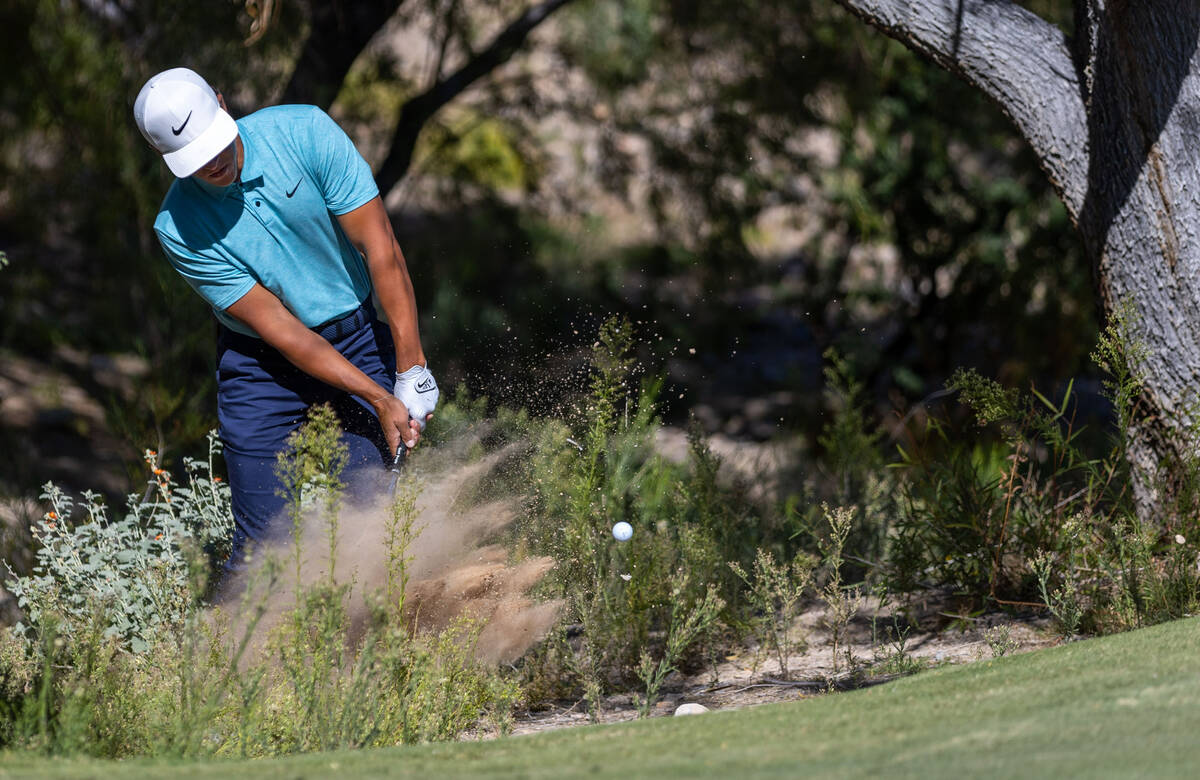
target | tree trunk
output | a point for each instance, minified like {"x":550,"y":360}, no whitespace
{"x":338,"y":32}
{"x":1113,"y":116}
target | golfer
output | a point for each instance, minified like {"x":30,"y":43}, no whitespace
{"x":276,"y":222}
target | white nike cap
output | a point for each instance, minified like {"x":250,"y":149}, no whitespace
{"x":178,"y":113}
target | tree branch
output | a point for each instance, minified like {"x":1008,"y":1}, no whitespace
{"x":420,"y":109}
{"x":1021,"y":61}
{"x":340,"y":30}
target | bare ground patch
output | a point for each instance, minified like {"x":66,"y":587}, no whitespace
{"x":745,"y":676}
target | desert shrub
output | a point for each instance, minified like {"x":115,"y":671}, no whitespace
{"x":1037,"y":516}
{"x":848,"y":468}
{"x":776,"y":592}
{"x":688,"y":622}
{"x":141,"y":572}
{"x":71,"y":683}
{"x":631,"y":602}
{"x":852,"y":469}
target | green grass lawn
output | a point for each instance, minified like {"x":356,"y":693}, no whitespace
{"x":1113,"y":707}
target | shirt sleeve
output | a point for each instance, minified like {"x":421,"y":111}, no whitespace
{"x":217,"y":280}
{"x":340,"y":171}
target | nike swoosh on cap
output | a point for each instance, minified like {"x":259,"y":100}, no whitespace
{"x":185,"y":121}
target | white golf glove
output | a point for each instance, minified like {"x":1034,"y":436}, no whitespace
{"x":418,"y":391}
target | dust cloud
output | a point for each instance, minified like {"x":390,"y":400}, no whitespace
{"x":455,"y":568}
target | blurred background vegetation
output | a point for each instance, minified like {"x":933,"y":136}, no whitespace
{"x":751,"y":184}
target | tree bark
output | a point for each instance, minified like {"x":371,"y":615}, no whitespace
{"x":339,"y":31}
{"x":1113,"y":116}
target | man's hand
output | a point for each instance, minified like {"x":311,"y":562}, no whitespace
{"x":418,"y":391}
{"x":399,"y":429}
{"x":262,"y":311}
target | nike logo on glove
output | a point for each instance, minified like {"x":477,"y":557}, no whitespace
{"x":180,"y":130}
{"x":426,"y":385}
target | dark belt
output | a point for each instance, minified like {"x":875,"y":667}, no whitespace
{"x":346,"y":324}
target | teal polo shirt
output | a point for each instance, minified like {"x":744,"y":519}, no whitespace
{"x":277,"y":225}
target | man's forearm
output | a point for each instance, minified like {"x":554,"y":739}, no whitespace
{"x":270,"y":319}
{"x":317,"y":357}
{"x":393,"y":287}
{"x":262,"y":311}
{"x":370,"y":230}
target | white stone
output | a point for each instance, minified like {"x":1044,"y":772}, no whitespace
{"x":690,"y":709}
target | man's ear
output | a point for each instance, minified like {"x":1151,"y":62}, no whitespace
{"x":221,"y":102}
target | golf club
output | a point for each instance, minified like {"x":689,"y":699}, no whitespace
{"x":397,"y":466}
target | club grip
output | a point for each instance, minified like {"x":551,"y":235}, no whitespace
{"x":398,"y":461}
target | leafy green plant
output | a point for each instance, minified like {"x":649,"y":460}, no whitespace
{"x":890,"y":645}
{"x":851,"y":469}
{"x":999,"y":640}
{"x":578,"y":481}
{"x":776,"y":591}
{"x":842,"y":601}
{"x":1063,"y":601}
{"x":389,"y":686}
{"x":310,"y":469}
{"x":1044,"y":516}
{"x":143,"y":572}
{"x":688,"y":623}
{"x":204,"y":686}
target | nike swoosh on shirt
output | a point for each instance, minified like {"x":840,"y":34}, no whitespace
{"x":293,"y":192}
{"x":185,"y":121}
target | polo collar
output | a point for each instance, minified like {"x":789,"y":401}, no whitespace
{"x":251,"y":175}
{"x":252,"y":163}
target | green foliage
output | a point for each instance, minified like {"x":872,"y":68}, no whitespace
{"x":614,"y":42}
{"x":999,"y":640}
{"x":310,"y":468}
{"x":209,"y":685}
{"x":842,"y":601}
{"x":929,"y":167}
{"x":971,"y":509}
{"x":138,"y":575}
{"x":776,"y":591}
{"x":477,"y":150}
{"x":684,"y":628}
{"x":853,"y":472}
{"x":650,"y":598}
{"x":1033,"y":516}
{"x":890,"y":645}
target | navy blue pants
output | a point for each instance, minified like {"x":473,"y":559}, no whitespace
{"x":262,"y":398}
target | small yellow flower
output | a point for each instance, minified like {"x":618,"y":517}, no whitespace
{"x":158,"y":538}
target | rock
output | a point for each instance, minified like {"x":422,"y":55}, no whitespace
{"x":690,"y":709}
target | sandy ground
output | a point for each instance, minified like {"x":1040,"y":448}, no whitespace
{"x":748,"y":676}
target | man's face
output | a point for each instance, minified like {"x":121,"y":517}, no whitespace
{"x":221,"y":170}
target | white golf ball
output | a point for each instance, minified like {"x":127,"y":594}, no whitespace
{"x":622,"y":531}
